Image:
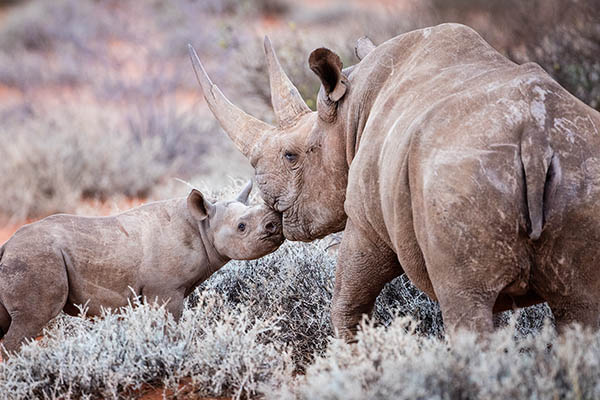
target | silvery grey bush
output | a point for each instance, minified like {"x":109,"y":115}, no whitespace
{"x":262,"y":328}
{"x":224,"y":352}
{"x":397,"y":363}
{"x":295,"y":283}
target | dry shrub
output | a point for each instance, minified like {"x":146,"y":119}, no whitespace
{"x":67,"y":23}
{"x":45,"y":42}
{"x":52,"y":159}
{"x":49,"y":162}
{"x":401,"y":298}
{"x":217,"y":351}
{"x":184,"y":138}
{"x":295,"y":283}
{"x":396,"y":363}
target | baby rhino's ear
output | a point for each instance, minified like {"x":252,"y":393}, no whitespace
{"x":199,"y":207}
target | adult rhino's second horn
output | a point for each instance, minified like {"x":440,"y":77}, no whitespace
{"x":287,"y":101}
{"x":243,"y":129}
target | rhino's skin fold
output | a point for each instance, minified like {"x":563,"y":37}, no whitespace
{"x":441,"y":158}
{"x":159,"y":252}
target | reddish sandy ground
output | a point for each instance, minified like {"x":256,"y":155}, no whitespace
{"x":157,"y":394}
{"x":7,"y":231}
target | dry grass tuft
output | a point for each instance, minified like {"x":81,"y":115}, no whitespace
{"x":395,"y":362}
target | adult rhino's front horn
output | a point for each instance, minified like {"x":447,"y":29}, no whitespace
{"x":243,"y":129}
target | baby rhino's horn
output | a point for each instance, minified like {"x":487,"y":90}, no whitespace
{"x":243,"y":196}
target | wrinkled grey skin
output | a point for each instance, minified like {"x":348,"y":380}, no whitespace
{"x":159,"y":251}
{"x":478,"y":177}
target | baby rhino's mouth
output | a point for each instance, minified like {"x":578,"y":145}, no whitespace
{"x":272,"y":228}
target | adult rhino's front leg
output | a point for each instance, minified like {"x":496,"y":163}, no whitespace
{"x":364,"y":266}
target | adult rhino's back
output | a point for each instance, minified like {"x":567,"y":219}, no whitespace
{"x":439,"y":105}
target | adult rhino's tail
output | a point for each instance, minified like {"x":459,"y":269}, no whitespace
{"x":541,"y":168}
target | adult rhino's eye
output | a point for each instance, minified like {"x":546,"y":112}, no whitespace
{"x":291,"y":157}
{"x":242,"y":227}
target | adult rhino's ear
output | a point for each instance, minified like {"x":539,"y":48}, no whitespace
{"x":199,"y":207}
{"x":245,"y":193}
{"x":363,"y":47}
{"x":328,"y":67}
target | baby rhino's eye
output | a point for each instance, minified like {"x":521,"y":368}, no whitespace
{"x":242,"y":227}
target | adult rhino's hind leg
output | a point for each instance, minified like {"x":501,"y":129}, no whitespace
{"x":469,"y":310}
{"x":584,"y":313}
{"x":363,"y":268}
{"x":468,"y":274}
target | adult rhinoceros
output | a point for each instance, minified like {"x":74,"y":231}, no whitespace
{"x":478,"y":177}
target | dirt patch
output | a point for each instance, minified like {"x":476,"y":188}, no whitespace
{"x":149,"y":392}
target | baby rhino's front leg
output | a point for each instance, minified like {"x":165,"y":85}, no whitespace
{"x":172,"y":299}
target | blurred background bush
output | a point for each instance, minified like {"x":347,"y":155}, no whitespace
{"x":98,"y":100}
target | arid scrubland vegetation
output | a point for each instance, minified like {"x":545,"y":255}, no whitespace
{"x":99,"y":110}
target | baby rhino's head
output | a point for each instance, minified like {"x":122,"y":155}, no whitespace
{"x":238,"y":231}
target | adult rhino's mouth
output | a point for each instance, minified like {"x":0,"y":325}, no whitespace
{"x":293,"y":229}
{"x":280,"y":206}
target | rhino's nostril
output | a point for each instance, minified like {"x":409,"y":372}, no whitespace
{"x":271,"y":227}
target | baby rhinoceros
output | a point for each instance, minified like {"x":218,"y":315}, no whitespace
{"x":159,"y":251}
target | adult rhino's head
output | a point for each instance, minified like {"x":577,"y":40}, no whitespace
{"x":300,"y":164}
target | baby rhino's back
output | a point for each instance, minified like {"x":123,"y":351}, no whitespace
{"x":87,"y":258}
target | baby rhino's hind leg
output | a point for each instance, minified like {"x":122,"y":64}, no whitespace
{"x":4,"y":324}
{"x":23,"y":327}
{"x":4,"y":321}
{"x":31,"y":299}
